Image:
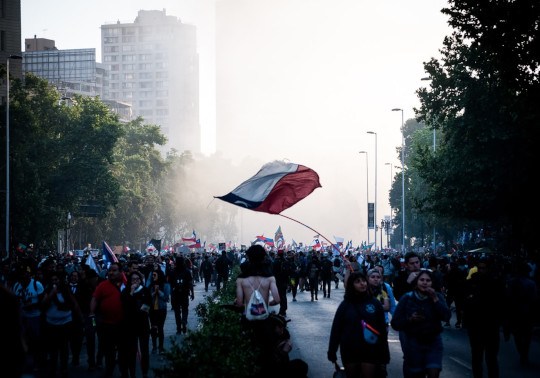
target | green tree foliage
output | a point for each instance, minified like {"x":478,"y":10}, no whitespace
{"x":484,"y":98}
{"x":60,"y":159}
{"x":139,"y":168}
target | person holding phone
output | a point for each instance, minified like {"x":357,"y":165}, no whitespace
{"x":418,"y":318}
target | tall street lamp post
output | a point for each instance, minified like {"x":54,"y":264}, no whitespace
{"x":434,"y":144}
{"x":7,"y":149}
{"x":375,"y":203}
{"x":367,"y":189}
{"x":402,"y":179}
{"x":391,"y":210}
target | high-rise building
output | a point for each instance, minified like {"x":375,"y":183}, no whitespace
{"x":70,"y":71}
{"x":10,"y":40}
{"x":154,"y":66}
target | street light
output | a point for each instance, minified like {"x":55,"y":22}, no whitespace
{"x":375,"y":203}
{"x":402,"y":179}
{"x":434,"y":144}
{"x":367,"y":190}
{"x":7,"y":149}
{"x":391,"y":210}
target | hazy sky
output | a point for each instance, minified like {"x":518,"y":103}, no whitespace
{"x":312,"y":77}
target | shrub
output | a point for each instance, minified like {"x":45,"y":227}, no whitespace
{"x":218,"y":348}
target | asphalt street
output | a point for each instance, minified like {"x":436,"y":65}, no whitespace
{"x":309,"y":327}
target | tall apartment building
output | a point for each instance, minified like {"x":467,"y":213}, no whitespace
{"x":10,"y":40}
{"x":154,"y":66}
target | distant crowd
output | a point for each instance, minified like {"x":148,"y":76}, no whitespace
{"x":56,"y":302}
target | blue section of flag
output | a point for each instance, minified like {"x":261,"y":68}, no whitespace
{"x":108,"y":255}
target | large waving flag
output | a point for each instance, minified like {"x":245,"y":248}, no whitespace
{"x":277,"y":186}
{"x":108,"y":255}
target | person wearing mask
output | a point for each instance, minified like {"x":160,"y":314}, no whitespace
{"x":160,"y":291}
{"x":418,"y":318}
{"x":359,"y":331}
{"x":136,"y":301}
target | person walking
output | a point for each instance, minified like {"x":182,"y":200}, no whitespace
{"x":313,"y":272}
{"x":522,"y":298}
{"x":181,"y":283}
{"x":106,"y":299}
{"x":136,"y":301}
{"x":418,"y":318}
{"x":222,"y":268}
{"x":30,"y":293}
{"x":282,"y":271}
{"x":359,"y":331}
{"x":206,"y":271}
{"x":160,"y":291}
{"x":326,"y":275}
{"x":484,"y":313}
{"x":60,"y":308}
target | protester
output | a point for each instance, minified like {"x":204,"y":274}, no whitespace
{"x":326,"y":274}
{"x":403,"y":283}
{"x":136,"y":302}
{"x":313,"y":273}
{"x":60,"y":308}
{"x":206,"y":271}
{"x":222,"y":268}
{"x":282,"y":270}
{"x":160,"y":291}
{"x":181,"y":282}
{"x":522,"y":298}
{"x":106,"y":300}
{"x":418,"y":318}
{"x":357,"y":314}
{"x":484,"y":314}
{"x":29,"y":293}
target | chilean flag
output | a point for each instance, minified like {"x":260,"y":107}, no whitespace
{"x":197,"y":244}
{"x":277,"y":186}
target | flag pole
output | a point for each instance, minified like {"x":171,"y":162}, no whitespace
{"x":317,"y":232}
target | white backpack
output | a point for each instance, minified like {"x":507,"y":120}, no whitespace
{"x":256,"y":308}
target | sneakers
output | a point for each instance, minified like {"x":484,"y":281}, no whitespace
{"x":294,"y":299}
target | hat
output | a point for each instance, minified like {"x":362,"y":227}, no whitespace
{"x":280,"y":251}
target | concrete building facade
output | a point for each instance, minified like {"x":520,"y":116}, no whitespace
{"x":153,"y":64}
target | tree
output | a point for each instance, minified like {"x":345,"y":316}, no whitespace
{"x":483,"y":97}
{"x":60,"y":159}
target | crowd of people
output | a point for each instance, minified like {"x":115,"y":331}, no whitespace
{"x":120,"y":311}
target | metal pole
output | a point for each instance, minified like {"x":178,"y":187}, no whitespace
{"x":375,"y":203}
{"x":7,"y":158}
{"x":402,"y":179}
{"x":367,"y":190}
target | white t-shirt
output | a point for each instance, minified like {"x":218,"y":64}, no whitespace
{"x":29,"y":296}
